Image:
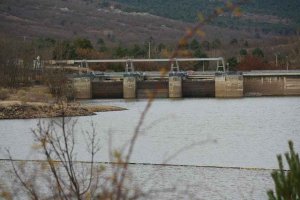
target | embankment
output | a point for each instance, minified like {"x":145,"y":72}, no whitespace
{"x":19,"y":110}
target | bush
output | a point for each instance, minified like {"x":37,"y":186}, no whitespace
{"x":4,"y":93}
{"x":287,"y":183}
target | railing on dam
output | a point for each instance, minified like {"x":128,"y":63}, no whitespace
{"x":129,"y":63}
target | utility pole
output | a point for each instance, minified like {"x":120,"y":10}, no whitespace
{"x":149,"y":50}
{"x":151,"y":41}
{"x":287,"y":63}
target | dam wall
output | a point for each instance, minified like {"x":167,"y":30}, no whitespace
{"x":271,"y":86}
{"x":198,"y":88}
{"x":248,"y":84}
{"x":82,"y":88}
{"x":153,"y":88}
{"x":175,"y":87}
{"x":107,"y":89}
{"x":229,"y":86}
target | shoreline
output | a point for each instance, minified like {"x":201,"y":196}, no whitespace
{"x":33,"y":110}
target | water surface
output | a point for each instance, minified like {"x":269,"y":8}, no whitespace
{"x":242,"y":133}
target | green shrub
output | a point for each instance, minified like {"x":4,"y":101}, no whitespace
{"x":287,"y":182}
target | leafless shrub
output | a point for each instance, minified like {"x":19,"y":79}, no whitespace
{"x":62,"y":177}
{"x":15,"y":63}
{"x":59,"y":85}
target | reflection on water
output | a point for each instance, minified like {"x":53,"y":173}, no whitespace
{"x":182,"y":182}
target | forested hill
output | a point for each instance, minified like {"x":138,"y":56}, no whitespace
{"x":280,"y":16}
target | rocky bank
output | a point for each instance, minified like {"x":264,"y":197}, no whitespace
{"x":19,"y":110}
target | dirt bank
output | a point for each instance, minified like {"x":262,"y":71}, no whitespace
{"x":19,"y":110}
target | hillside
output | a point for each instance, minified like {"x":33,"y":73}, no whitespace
{"x":28,"y":19}
{"x":76,"y":18}
{"x":126,"y":23}
{"x":276,"y":16}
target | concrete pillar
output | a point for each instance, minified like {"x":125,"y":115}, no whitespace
{"x":129,"y":87}
{"x":229,"y":86}
{"x":82,"y":88}
{"x":175,"y":87}
{"x":220,"y":86}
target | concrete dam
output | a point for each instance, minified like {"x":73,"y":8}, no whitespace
{"x":179,"y":84}
{"x":219,"y":85}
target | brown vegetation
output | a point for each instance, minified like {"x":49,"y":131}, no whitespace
{"x":15,"y":63}
{"x":253,"y":63}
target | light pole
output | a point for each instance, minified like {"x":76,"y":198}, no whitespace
{"x":151,"y":41}
{"x":276,"y":59}
{"x":149,"y":50}
{"x":227,"y":64}
{"x":287,"y":63}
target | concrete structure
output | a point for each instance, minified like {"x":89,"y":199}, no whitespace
{"x":129,"y":87}
{"x":175,"y":87}
{"x":220,"y":86}
{"x":271,"y":84}
{"x":178,"y":84}
{"x":196,"y":88}
{"x":152,"y":88}
{"x":229,"y":86}
{"x":82,"y":87}
{"x":292,"y":86}
{"x":107,"y":89}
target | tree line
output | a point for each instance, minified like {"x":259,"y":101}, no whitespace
{"x":16,"y":57}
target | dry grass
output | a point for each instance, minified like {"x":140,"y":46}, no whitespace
{"x":4,"y":93}
{"x":31,"y":94}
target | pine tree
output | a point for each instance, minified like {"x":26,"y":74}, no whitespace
{"x":287,"y":183}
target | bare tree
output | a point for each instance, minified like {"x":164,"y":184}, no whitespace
{"x":65,"y":177}
{"x":15,"y":63}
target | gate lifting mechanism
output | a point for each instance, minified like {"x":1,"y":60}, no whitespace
{"x":129,"y":71}
{"x":220,"y":66}
{"x":84,"y":64}
{"x":175,"y":70}
{"x":176,"y":67}
{"x":129,"y":67}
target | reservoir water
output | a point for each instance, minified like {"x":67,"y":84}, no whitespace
{"x":202,"y":138}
